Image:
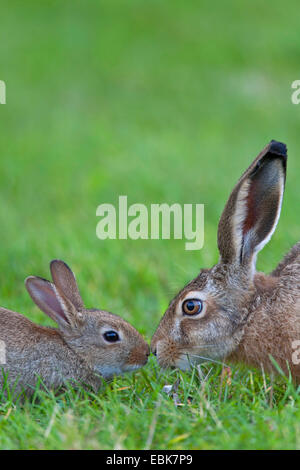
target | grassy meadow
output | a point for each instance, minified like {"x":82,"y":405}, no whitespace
{"x":162,"y":102}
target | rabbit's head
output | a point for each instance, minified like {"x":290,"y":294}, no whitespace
{"x":108,"y":344}
{"x":206,"y":319}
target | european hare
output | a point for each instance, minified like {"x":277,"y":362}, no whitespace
{"x":231,"y":311}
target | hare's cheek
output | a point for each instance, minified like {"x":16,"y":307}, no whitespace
{"x":167,"y":352}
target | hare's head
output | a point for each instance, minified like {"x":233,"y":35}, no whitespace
{"x":107,"y":343}
{"x":206,"y":319}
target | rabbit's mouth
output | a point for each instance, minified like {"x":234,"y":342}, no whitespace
{"x":133,"y":367}
{"x":107,"y":372}
{"x":138,"y":357}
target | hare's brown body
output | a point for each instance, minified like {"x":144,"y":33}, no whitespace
{"x":230,"y":311}
{"x":89,"y":344}
{"x":273,"y":325}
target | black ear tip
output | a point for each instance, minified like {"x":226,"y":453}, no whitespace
{"x":278,"y":148}
{"x":58,"y":262}
{"x":55,"y":261}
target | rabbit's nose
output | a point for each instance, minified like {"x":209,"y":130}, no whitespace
{"x":146,"y":351}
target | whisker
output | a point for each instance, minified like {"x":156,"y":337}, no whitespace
{"x":196,"y":348}
{"x":208,"y":359}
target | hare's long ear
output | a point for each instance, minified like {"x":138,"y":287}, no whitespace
{"x":253,"y":208}
{"x":56,"y":306}
{"x":65,"y":282}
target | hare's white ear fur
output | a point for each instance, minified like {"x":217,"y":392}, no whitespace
{"x":56,"y":306}
{"x":65,"y":282}
{"x":253,"y":208}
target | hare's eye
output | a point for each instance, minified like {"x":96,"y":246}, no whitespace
{"x":111,"y":336}
{"x":192,"y":307}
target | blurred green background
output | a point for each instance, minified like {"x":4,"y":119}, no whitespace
{"x":162,"y":101}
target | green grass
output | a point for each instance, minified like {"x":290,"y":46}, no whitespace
{"x":164,"y":102}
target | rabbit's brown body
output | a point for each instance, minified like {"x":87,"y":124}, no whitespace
{"x":89,"y":344}
{"x":34,"y":351}
{"x":231,"y":312}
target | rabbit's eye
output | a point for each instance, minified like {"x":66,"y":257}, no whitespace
{"x":192,"y":306}
{"x":111,"y":336}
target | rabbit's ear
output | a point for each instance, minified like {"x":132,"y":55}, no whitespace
{"x":58,"y":307}
{"x":65,"y":282}
{"x":253,"y":208}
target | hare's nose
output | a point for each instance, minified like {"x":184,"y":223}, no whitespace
{"x":153,"y":346}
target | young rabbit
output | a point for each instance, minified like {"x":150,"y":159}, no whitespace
{"x":231,"y":311}
{"x":88,"y":345}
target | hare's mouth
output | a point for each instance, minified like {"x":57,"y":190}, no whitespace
{"x":171,"y":355}
{"x":191,"y":359}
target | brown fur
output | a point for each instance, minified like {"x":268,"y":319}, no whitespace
{"x":77,"y":350}
{"x":247,"y":316}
